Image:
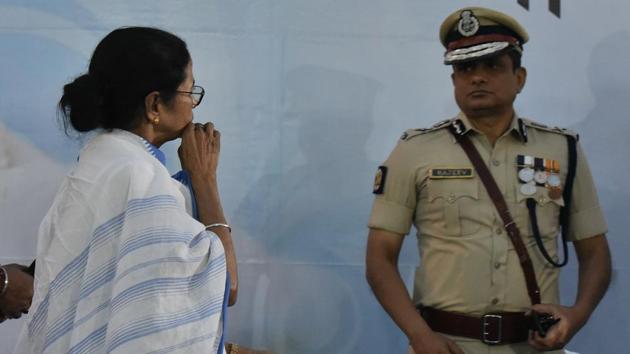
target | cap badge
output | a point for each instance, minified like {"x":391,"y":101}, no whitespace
{"x":468,"y":24}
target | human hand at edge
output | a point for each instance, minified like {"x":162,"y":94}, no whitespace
{"x":434,"y":343}
{"x":17,"y":298}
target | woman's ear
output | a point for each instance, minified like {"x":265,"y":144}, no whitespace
{"x":151,"y":107}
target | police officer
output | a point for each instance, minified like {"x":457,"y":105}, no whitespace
{"x":471,"y":293}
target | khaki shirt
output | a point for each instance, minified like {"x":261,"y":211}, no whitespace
{"x":468,"y":263}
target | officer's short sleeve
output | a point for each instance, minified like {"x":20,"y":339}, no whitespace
{"x":586,"y":215}
{"x":395,"y":203}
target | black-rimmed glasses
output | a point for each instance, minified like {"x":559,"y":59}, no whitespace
{"x":196,"y":93}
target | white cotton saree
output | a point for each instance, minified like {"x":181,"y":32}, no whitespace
{"x":122,"y":266}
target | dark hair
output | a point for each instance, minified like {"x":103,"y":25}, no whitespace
{"x":127,"y":64}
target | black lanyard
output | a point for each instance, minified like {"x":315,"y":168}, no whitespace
{"x":564,"y":211}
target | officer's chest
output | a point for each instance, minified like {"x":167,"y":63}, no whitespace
{"x":449,"y":186}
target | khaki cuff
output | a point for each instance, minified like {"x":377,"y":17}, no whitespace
{"x":587,"y":223}
{"x":390,"y":216}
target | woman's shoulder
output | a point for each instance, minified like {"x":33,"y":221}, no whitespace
{"x":115,"y":161}
{"x":114,"y":145}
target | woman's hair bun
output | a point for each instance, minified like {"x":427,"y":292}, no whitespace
{"x":127,"y":65}
{"x":82,"y":104}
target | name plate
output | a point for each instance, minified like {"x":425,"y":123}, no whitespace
{"x":448,"y":172}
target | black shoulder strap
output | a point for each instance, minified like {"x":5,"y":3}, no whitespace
{"x":531,"y":207}
{"x":568,"y":186}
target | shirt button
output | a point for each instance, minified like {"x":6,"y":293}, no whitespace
{"x":496,"y":162}
{"x":497,"y":265}
{"x":451,"y":199}
{"x":499,"y":231}
{"x":495,"y":301}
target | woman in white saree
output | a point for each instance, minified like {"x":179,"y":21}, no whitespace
{"x":130,"y":260}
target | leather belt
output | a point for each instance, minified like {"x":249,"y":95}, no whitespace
{"x":491,"y":328}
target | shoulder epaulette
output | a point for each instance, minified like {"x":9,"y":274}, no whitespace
{"x":547,"y":128}
{"x":410,"y":133}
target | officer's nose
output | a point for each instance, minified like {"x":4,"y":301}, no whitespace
{"x":478,"y":78}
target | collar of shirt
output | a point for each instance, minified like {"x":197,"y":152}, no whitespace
{"x":150,"y":148}
{"x":516,"y":127}
{"x":153,"y":150}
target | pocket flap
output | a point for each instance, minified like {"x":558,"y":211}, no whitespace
{"x":453,"y":189}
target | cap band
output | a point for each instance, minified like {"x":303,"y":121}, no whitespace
{"x":467,"y":42}
{"x":476,"y":52}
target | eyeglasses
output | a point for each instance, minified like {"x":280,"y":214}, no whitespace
{"x":196,"y":93}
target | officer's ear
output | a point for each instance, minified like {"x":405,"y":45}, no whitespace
{"x":521,"y":77}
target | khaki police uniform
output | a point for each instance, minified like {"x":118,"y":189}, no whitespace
{"x":468,"y":263}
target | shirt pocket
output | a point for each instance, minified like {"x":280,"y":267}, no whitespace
{"x":454,"y":203}
{"x":547,"y":212}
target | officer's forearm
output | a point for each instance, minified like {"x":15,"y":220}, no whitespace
{"x":594,"y":273}
{"x":389,"y":289}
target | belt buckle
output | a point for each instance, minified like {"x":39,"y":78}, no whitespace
{"x":487,"y":321}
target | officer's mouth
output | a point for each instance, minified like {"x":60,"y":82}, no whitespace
{"x":479,"y":93}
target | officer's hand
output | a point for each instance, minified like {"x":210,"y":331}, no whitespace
{"x":434,"y":343}
{"x":560,"y":333}
{"x":17,"y":298}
